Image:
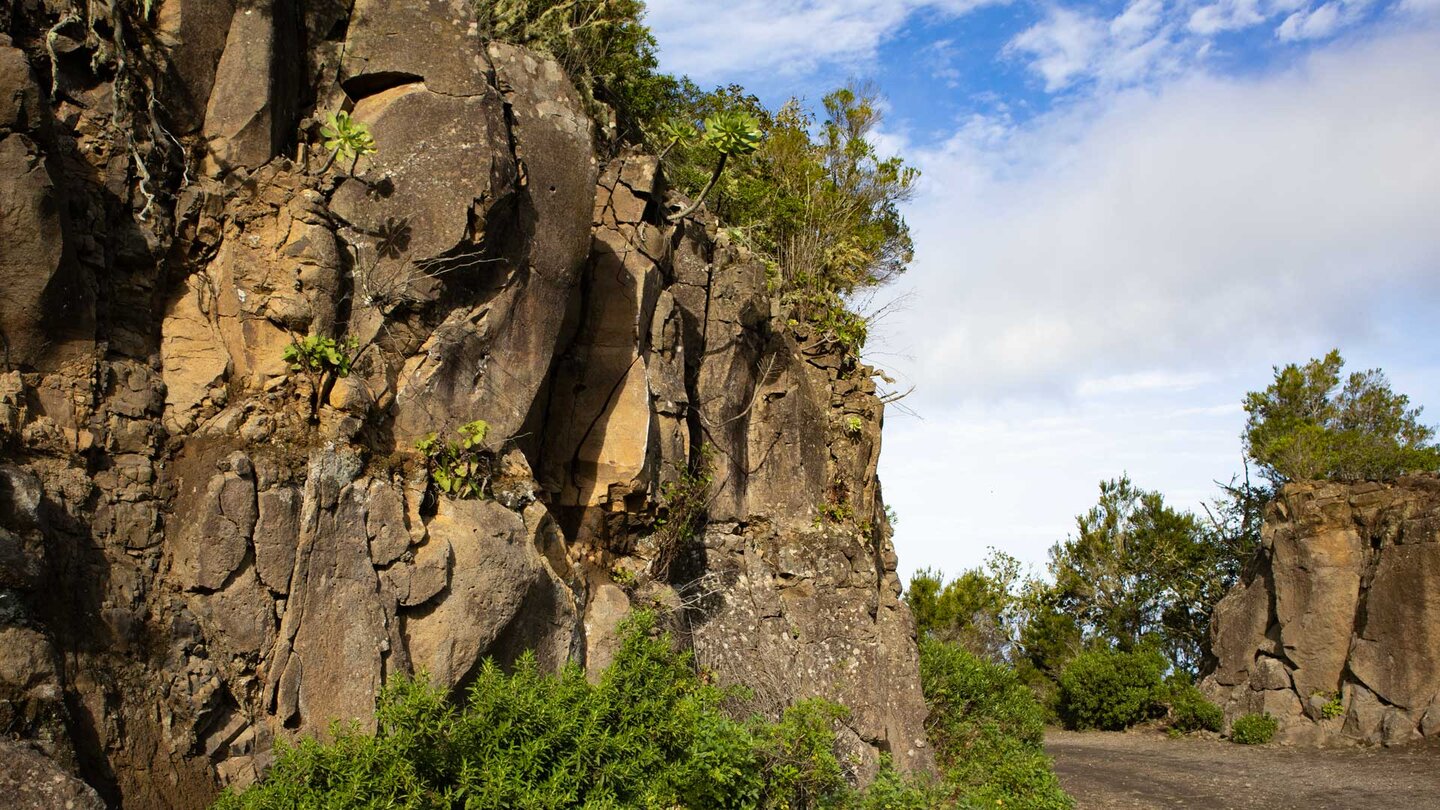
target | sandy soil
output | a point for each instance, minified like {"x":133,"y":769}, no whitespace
{"x":1148,"y":769}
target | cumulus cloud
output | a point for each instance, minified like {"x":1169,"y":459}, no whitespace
{"x":1199,"y":222}
{"x":749,"y":37}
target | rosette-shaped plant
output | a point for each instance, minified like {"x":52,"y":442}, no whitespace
{"x":731,"y":133}
{"x":346,"y":138}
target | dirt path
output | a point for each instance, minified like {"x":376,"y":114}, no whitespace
{"x":1144,"y":770}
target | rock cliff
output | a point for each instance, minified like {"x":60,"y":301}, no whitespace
{"x":204,"y":550}
{"x":1340,"y":608}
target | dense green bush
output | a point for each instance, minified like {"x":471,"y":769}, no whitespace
{"x":987,"y":729}
{"x":650,"y":734}
{"x":1111,"y":689}
{"x":1254,"y":729}
{"x":1190,"y":711}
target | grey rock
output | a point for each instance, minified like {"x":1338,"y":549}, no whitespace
{"x":277,"y":534}
{"x":29,"y":781}
{"x":435,"y":42}
{"x":207,"y":552}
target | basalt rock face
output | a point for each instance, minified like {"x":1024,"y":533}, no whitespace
{"x":1342,"y":604}
{"x":204,"y":551}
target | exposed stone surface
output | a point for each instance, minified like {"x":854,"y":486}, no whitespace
{"x":205,"y":550}
{"x":1343,"y":600}
{"x":29,"y":781}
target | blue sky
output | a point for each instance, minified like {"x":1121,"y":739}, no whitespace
{"x":1129,"y":213}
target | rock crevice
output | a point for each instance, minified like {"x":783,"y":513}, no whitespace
{"x":205,"y":550}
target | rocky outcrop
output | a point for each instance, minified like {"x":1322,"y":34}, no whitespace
{"x":205,"y":550}
{"x":1341,"y":608}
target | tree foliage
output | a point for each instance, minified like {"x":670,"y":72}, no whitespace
{"x":980,"y":610}
{"x":1307,"y":425}
{"x":817,"y":199}
{"x":1139,"y":571}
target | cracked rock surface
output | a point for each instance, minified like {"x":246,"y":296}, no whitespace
{"x":1342,"y":604}
{"x":205,"y":550}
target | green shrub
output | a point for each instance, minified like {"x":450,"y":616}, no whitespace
{"x":1111,"y":689}
{"x":802,"y":769}
{"x":1190,"y":711}
{"x":1334,"y":705}
{"x":649,"y":735}
{"x":683,"y":502}
{"x":893,"y":790}
{"x":987,"y":729}
{"x":321,"y":355}
{"x":461,"y":468}
{"x":1254,"y":729}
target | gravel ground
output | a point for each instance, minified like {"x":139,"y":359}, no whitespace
{"x":1148,"y":769}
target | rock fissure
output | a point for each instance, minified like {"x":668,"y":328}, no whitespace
{"x":208,"y":570}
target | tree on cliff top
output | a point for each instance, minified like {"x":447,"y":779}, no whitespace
{"x":1306,"y":425}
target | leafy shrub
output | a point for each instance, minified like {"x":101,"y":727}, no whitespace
{"x":682,"y":510}
{"x":1254,"y":729}
{"x":650,"y":734}
{"x":892,"y":790}
{"x":1190,"y":711}
{"x":462,"y":468}
{"x":324,"y":360}
{"x":320,"y":355}
{"x":731,"y":133}
{"x":987,"y":729}
{"x":816,"y":200}
{"x":1334,"y":705}
{"x":802,"y":769}
{"x":1111,"y":689}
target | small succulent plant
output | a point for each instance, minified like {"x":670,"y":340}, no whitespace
{"x":346,"y":138}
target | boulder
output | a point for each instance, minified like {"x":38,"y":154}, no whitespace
{"x":494,"y":568}
{"x":30,"y":781}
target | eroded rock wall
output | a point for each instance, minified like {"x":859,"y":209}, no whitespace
{"x":1342,"y":604}
{"x":204,"y":550}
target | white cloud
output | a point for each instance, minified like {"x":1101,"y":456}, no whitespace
{"x":1068,"y":46}
{"x":1095,"y":290}
{"x":1322,"y":21}
{"x":1163,"y":228}
{"x":1144,"y":381}
{"x":722,"y":41}
{"x":1227,"y":15}
{"x":1063,"y":46}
